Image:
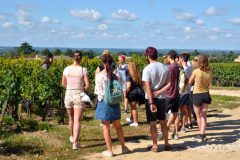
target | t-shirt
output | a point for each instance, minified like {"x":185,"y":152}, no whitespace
{"x":173,"y":91}
{"x":74,"y":76}
{"x":157,"y":74}
{"x":202,"y":81}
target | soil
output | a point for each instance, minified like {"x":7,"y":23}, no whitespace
{"x":223,"y":142}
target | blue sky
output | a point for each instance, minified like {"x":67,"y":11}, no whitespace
{"x":185,"y":24}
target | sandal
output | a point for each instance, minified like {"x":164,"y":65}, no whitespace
{"x":154,"y":149}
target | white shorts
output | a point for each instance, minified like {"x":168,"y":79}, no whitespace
{"x":73,"y":99}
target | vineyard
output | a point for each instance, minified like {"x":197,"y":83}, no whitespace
{"x":24,"y":82}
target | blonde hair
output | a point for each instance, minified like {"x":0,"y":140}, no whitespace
{"x":202,"y":61}
{"x":106,"y":52}
{"x":134,"y":72}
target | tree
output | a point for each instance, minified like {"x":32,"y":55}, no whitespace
{"x":68,"y":52}
{"x":25,"y":48}
{"x":90,"y":54}
{"x":45,"y":52}
{"x":57,"y":52}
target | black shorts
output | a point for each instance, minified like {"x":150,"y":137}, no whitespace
{"x":161,"y":107}
{"x":172,"y":104}
{"x":184,"y":99}
{"x":201,"y":98}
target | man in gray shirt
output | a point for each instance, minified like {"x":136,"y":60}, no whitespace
{"x":156,"y":79}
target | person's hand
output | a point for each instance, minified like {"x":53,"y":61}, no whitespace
{"x":153,"y":108}
{"x":155,"y":93}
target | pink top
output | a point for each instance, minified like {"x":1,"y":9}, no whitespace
{"x":100,"y":85}
{"x":74,"y":77}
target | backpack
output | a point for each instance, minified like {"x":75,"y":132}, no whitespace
{"x":113,"y":92}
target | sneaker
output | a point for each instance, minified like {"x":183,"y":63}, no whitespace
{"x":71,"y":139}
{"x":190,"y":126}
{"x":107,"y":153}
{"x":183,"y":129}
{"x":160,"y":136}
{"x":175,"y":136}
{"x":200,"y":138}
{"x":125,"y":150}
{"x":134,"y":124}
{"x":129,"y":120}
{"x":75,"y":146}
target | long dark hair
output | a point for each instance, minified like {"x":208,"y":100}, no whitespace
{"x":108,"y":61}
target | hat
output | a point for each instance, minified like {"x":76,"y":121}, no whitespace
{"x":151,"y":51}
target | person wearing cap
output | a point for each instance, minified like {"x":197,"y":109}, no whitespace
{"x":122,"y":70}
{"x":172,"y":94}
{"x":156,"y":79}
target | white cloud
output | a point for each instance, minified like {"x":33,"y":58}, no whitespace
{"x":170,"y":38}
{"x":88,"y":14}
{"x":213,"y":11}
{"x":185,"y":16}
{"x":213,"y":37}
{"x":200,"y":22}
{"x":2,"y":17}
{"x":158,"y":30}
{"x":123,"y":36}
{"x":7,"y":25}
{"x":215,"y":29}
{"x":124,"y":15}
{"x":78,"y":36}
{"x":187,"y":29}
{"x":46,"y":19}
{"x":235,"y":21}
{"x":228,"y":35}
{"x":24,"y":18}
{"x":102,"y":27}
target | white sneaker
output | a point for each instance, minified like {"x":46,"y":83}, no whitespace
{"x":75,"y":146}
{"x":71,"y":139}
{"x":107,"y":153}
{"x":128,"y":119}
{"x":134,"y":124}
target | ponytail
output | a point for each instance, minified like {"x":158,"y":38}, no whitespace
{"x":78,"y":56}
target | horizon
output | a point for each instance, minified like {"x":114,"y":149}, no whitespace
{"x":212,"y":25}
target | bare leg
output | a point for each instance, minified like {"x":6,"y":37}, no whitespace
{"x":118,"y":127}
{"x":107,"y":135}
{"x":134,"y":112}
{"x":172,"y":119}
{"x":198,"y":113}
{"x":153,"y":130}
{"x":78,"y":112}
{"x":70,"y":120}
{"x":164,"y":129}
{"x":203,"y":116}
{"x":184,"y":115}
{"x":125,"y":101}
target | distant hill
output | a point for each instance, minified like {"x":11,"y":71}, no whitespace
{"x":124,"y":50}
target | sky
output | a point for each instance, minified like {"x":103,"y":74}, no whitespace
{"x":164,"y":24}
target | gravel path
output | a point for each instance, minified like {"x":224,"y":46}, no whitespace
{"x":223,"y":132}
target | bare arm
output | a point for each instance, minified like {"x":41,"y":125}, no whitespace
{"x":150,"y":96}
{"x":86,"y":82}
{"x":128,"y":86}
{"x":164,"y":89}
{"x":64,"y":81}
{"x":97,"y":71}
{"x":192,"y":78}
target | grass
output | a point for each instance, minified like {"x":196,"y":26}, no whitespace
{"x":53,"y":143}
{"x":219,"y":102}
{"x":224,"y":88}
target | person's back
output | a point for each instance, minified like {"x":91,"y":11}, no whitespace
{"x":202,"y":81}
{"x":74,"y":76}
{"x":157,"y":74}
{"x":173,"y":91}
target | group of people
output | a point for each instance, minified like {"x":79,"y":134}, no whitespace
{"x":175,"y":85}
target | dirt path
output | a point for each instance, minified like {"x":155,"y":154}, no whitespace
{"x":223,"y":132}
{"x":225,"y":92}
